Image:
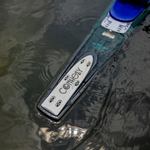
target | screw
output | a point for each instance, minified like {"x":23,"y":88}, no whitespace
{"x":58,"y":103}
{"x":52,"y":98}
{"x":88,"y":64}
{"x":82,"y":61}
{"x":77,"y":83}
{"x":66,"y":77}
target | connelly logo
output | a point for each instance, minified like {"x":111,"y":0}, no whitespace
{"x":70,"y":80}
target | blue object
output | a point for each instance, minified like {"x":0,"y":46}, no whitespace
{"x":127,"y":10}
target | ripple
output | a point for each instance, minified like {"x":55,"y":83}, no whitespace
{"x":52,"y":64}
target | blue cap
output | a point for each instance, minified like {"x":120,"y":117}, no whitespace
{"x":127,"y":10}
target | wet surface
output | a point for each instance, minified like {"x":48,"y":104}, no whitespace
{"x":37,"y":38}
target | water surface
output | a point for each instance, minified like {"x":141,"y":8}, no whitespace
{"x":37,"y":38}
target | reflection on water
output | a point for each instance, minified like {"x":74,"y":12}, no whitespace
{"x":63,"y":133}
{"x":37,"y":38}
{"x":88,"y":148}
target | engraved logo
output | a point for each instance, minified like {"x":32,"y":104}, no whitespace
{"x":70,"y":81}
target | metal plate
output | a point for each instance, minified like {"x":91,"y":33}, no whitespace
{"x":114,"y":25}
{"x":58,"y":98}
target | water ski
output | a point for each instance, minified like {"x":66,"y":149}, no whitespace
{"x":111,"y":30}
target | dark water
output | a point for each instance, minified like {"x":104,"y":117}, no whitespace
{"x":37,"y":38}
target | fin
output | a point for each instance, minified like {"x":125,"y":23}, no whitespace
{"x":68,"y":86}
